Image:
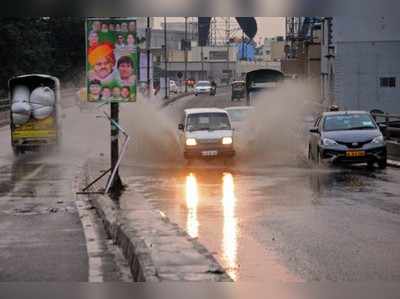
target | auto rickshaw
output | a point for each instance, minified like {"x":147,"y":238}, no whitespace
{"x":238,"y":90}
{"x":35,"y":112}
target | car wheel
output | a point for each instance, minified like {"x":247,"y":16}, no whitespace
{"x":309,"y":153}
{"x":370,"y":165}
{"x":382,"y":164}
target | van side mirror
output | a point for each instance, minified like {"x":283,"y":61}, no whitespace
{"x":181,"y":127}
{"x":314,"y":130}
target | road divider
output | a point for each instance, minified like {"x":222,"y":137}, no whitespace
{"x":155,"y":248}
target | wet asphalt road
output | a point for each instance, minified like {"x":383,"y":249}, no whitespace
{"x":280,"y":220}
{"x":42,"y":237}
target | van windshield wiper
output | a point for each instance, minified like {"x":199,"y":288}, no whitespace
{"x":202,"y":129}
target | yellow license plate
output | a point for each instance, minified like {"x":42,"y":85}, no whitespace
{"x":355,"y":154}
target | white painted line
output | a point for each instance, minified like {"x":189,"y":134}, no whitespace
{"x":93,"y":245}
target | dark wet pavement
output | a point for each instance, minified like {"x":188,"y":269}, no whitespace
{"x":281,"y":220}
{"x":42,"y":236}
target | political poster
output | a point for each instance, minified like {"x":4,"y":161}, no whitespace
{"x":111,"y":59}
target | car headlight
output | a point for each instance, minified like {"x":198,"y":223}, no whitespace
{"x":191,"y":142}
{"x":227,"y":140}
{"x":378,"y":140}
{"x":327,"y":141}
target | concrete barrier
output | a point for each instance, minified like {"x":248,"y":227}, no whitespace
{"x":156,"y":249}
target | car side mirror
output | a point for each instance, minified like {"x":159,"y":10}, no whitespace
{"x":382,"y":128}
{"x":314,"y":130}
{"x":181,"y":127}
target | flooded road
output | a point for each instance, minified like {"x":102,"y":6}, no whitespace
{"x":274,"y":217}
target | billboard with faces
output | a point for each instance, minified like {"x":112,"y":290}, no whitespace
{"x":111,"y":59}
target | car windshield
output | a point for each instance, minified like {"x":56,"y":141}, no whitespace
{"x":238,"y":114}
{"x":348,"y":122}
{"x":208,"y":121}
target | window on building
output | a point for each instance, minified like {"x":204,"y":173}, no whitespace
{"x":388,"y":82}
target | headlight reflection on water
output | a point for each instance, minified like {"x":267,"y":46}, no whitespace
{"x":230,"y":231}
{"x":230,"y":227}
{"x":192,"y":200}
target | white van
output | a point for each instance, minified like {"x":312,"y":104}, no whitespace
{"x":207,"y":133}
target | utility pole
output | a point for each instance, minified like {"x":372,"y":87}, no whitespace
{"x":186,"y":54}
{"x":148,"y":49}
{"x":202,"y":62}
{"x":228,"y":29}
{"x":165,"y":59}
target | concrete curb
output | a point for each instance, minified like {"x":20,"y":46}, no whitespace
{"x":156,"y":249}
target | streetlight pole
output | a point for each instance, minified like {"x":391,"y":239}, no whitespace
{"x":148,"y":47}
{"x":186,"y":54}
{"x":202,"y":62}
{"x":165,"y":58}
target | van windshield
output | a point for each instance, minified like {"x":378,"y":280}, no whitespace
{"x":207,"y":122}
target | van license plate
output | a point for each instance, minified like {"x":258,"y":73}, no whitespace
{"x":209,"y":153}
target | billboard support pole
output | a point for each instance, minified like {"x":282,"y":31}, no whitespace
{"x":116,"y":183}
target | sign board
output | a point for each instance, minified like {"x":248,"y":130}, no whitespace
{"x":111,"y":59}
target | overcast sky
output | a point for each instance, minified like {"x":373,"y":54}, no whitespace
{"x":267,"y":27}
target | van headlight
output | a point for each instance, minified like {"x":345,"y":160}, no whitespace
{"x":191,"y":142}
{"x":327,"y":141}
{"x":378,"y":140}
{"x":227,"y":140}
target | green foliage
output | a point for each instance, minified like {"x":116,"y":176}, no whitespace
{"x":54,"y":46}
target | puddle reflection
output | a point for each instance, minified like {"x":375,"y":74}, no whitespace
{"x":192,"y":201}
{"x":230,"y":231}
{"x":229,"y":243}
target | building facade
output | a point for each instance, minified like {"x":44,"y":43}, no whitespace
{"x":361,"y":64}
